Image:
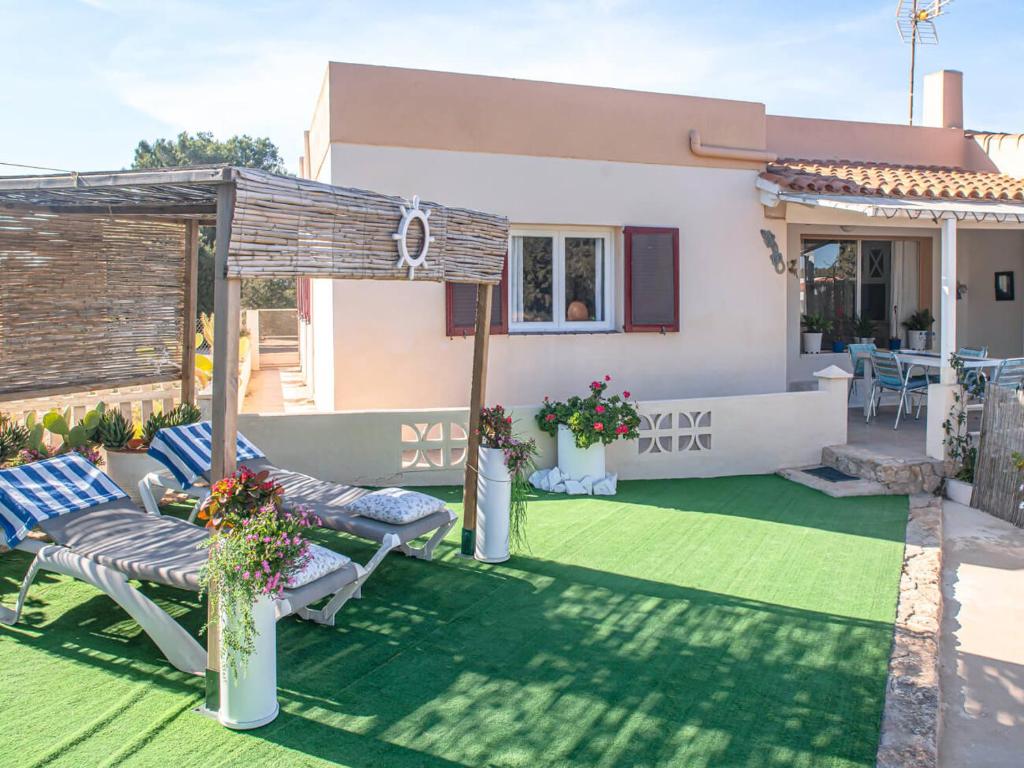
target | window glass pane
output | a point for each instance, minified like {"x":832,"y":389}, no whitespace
{"x":829,"y":285}
{"x":876,"y":283}
{"x":533,"y":292}
{"x":584,"y":279}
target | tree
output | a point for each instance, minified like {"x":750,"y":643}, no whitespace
{"x":203,"y":149}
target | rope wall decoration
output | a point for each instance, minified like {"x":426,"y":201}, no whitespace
{"x":88,"y":302}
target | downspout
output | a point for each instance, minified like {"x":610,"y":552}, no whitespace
{"x":729,"y":153}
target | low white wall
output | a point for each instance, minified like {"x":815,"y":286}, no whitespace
{"x":698,"y":437}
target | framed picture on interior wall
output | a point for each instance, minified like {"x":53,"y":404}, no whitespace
{"x":1004,"y":286}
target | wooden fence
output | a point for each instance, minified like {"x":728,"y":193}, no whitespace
{"x":996,"y":480}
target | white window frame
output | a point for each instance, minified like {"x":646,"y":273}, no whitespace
{"x":558,"y":236}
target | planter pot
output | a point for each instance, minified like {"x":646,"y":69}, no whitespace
{"x":127,"y":468}
{"x":576,"y":463}
{"x":811,"y":342}
{"x":959,"y":491}
{"x":248,"y":696}
{"x":838,"y":346}
{"x":917,"y":340}
{"x":493,"y":502}
{"x":895,"y":344}
{"x":865,"y":339}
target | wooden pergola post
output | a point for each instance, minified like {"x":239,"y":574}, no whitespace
{"x":188,"y":326}
{"x":481,"y":342}
{"x":226,"y":307}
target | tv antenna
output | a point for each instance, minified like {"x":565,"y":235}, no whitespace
{"x":915,"y":19}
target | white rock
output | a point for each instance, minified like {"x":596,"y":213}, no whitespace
{"x":606,"y":486}
{"x":575,"y":488}
{"x":587,"y":481}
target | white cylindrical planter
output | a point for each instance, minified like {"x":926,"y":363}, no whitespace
{"x":248,"y":696}
{"x":576,"y":463}
{"x":812,"y":343}
{"x":959,"y":491}
{"x":126,"y":468}
{"x":917,"y":340}
{"x":865,"y":339}
{"x":493,"y":502}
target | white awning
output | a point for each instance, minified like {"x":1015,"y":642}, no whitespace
{"x":891,"y":207}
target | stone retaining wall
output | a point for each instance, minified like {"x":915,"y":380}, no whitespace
{"x":910,"y":721}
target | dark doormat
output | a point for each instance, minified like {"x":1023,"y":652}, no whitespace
{"x":830,"y":474}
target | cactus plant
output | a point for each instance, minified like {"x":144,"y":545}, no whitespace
{"x":115,"y":431}
{"x":152,"y":425}
{"x":184,"y":413}
{"x":13,"y":437}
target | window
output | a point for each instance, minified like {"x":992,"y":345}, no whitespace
{"x":830,"y":282}
{"x":560,"y":280}
{"x":652,"y":279}
{"x":460,"y":307}
{"x":883,"y":281}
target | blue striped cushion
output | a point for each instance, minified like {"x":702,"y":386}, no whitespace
{"x":187,"y":451}
{"x":45,"y":489}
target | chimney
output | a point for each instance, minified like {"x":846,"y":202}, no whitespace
{"x":943,"y":99}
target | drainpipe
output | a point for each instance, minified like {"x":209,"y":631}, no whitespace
{"x":729,"y":153}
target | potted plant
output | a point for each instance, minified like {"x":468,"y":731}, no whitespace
{"x":863,"y":329}
{"x":502,"y":489}
{"x":960,"y":448}
{"x":126,"y":444}
{"x":27,"y":443}
{"x":255,"y":549}
{"x":583,"y":426}
{"x":895,"y":342}
{"x":919,"y":327}
{"x":13,"y":439}
{"x":814,"y":327}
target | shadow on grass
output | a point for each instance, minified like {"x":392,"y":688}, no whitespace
{"x":536,"y":662}
{"x":533,"y":663}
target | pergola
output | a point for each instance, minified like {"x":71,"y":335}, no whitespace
{"x":99,"y":273}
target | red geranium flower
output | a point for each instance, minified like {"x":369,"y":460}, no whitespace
{"x":550,"y":417}
{"x":598,"y":426}
{"x":607,"y":377}
{"x":626,"y":394}
{"x":621,"y":429}
{"x":599,"y":409}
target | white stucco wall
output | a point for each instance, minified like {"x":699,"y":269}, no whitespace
{"x":982,"y":320}
{"x":323,"y":339}
{"x":390,"y":345}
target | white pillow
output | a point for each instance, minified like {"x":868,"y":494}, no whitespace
{"x":395,"y":505}
{"x":322,"y":561}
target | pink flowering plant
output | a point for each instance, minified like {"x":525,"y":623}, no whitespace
{"x":596,"y":418}
{"x":255,"y":549}
{"x":496,"y":432}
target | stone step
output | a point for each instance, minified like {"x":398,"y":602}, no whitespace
{"x":898,"y":474}
{"x":838,"y":490}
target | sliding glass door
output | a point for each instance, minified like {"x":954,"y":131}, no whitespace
{"x":876,"y":279}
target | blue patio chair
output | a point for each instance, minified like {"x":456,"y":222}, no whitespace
{"x":971,"y":381}
{"x":889,"y":374}
{"x":1010,"y":373}
{"x":857,"y":353}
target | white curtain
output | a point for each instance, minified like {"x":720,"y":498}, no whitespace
{"x":905,"y":281}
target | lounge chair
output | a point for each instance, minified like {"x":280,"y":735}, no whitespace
{"x":186,"y":453}
{"x":101,"y":537}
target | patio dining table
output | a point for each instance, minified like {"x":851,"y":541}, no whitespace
{"x":918,"y":359}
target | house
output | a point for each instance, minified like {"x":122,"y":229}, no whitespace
{"x":670,"y":241}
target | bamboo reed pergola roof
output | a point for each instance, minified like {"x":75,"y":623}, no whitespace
{"x":106,"y":254}
{"x":281,"y":226}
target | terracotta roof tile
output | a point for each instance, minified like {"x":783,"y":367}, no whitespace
{"x":854,"y":177}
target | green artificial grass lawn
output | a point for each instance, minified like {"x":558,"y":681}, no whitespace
{"x":742,"y":621}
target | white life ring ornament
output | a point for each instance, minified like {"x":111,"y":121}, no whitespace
{"x":408,"y":214}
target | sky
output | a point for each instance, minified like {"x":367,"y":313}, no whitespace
{"x":82,"y":81}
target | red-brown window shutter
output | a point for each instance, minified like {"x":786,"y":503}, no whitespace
{"x":460,"y":307}
{"x":652,"y":279}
